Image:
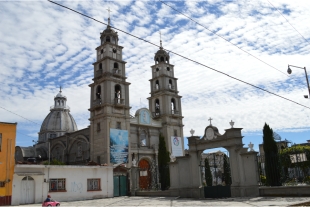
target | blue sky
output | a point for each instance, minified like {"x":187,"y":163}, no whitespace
{"x":44,"y":46}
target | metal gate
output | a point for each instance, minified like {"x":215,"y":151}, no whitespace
{"x":27,"y":190}
{"x":120,"y":185}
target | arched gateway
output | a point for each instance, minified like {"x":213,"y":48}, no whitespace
{"x":185,"y":172}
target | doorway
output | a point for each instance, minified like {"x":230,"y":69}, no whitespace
{"x":27,"y":190}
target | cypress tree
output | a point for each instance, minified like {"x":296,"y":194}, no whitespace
{"x":272,"y":168}
{"x":208,"y":175}
{"x":226,"y":174}
{"x":163,"y":167}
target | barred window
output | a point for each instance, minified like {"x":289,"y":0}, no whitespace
{"x":93,"y":184}
{"x":2,"y":184}
{"x":58,"y":184}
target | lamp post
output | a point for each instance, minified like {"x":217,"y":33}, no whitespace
{"x":289,"y":71}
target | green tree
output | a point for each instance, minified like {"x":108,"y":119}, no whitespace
{"x":272,"y":167}
{"x":163,"y":167}
{"x":208,"y":175}
{"x":226,"y":174}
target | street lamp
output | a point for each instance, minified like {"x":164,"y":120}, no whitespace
{"x":289,"y":71}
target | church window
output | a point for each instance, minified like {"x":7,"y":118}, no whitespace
{"x":170,"y":84}
{"x":57,"y":153}
{"x":157,"y":69}
{"x":157,"y":60}
{"x":100,"y":66}
{"x":108,"y":38}
{"x":118,"y":125}
{"x":156,"y":84}
{"x":52,"y":135}
{"x":115,"y":65}
{"x":118,"y":96}
{"x":62,"y":103}
{"x":142,"y":138}
{"x":79,"y":151}
{"x":58,"y":102}
{"x":101,"y":51}
{"x":113,"y":40}
{"x":98,"y":92}
{"x":175,"y":133}
{"x":98,"y":127}
{"x":168,"y":69}
{"x":167,"y":60}
{"x":157,"y":108}
{"x":114,"y":50}
{"x":173,"y":108}
{"x":162,"y":59}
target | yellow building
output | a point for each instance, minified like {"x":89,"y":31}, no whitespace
{"x":7,"y":146}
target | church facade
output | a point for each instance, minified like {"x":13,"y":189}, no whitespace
{"x":111,"y":124}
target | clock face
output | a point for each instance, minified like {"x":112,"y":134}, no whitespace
{"x":210,"y":133}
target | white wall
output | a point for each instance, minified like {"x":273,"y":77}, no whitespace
{"x":76,"y":182}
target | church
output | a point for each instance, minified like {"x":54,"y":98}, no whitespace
{"x":114,"y":135}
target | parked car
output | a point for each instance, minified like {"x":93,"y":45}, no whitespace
{"x":50,"y":203}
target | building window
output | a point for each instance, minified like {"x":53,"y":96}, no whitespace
{"x":0,"y":141}
{"x":52,"y":135}
{"x":93,"y":184}
{"x":118,"y":125}
{"x":58,"y":184}
{"x":142,"y":138}
{"x":175,"y":133}
{"x":2,"y":184}
{"x":98,"y":127}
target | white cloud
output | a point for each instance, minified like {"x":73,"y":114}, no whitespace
{"x":44,"y":46}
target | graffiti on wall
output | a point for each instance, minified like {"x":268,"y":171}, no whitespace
{"x":76,"y":187}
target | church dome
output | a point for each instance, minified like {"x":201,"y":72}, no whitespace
{"x":109,"y":35}
{"x":161,"y":55}
{"x":59,"y":121}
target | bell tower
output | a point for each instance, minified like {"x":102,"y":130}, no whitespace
{"x":109,"y":99}
{"x":165,"y":101}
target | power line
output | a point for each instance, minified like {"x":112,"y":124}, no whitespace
{"x":288,"y":21}
{"x":19,"y":115}
{"x":223,"y":38}
{"x":181,"y":55}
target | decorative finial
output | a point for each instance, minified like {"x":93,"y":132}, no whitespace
{"x":210,"y":119}
{"x":60,"y":89}
{"x":251,"y":147}
{"x":109,"y":16}
{"x":161,"y":46}
{"x":232,"y":123}
{"x":192,"y":132}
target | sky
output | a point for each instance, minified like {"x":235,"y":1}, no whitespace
{"x":44,"y":46}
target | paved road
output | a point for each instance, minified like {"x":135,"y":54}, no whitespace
{"x":165,"y":201}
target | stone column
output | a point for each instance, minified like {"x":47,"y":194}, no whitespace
{"x":134,"y":180}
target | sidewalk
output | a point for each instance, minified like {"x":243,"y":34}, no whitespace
{"x":165,"y":201}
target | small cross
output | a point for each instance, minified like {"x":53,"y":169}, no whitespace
{"x":109,"y":15}
{"x":160,"y":39}
{"x":60,"y":89}
{"x":210,"y":120}
{"x":109,"y":11}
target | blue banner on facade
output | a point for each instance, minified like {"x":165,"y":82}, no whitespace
{"x":118,"y":146}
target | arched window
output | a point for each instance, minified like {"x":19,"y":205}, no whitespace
{"x":101,"y":51}
{"x":142,"y":138}
{"x":168,"y":69}
{"x":170,"y":84}
{"x":108,"y":38}
{"x":157,"y":108}
{"x":156,"y":61}
{"x":58,"y":102}
{"x":156,"y":84}
{"x":98,"y":92}
{"x":167,"y":60}
{"x":113,"y":40}
{"x":62,"y":103}
{"x":100,"y":66}
{"x":162,"y":59}
{"x":118,"y":95}
{"x":115,"y":65}
{"x":173,"y":107}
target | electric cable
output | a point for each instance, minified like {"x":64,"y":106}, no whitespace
{"x":223,"y":38}
{"x":181,"y":55}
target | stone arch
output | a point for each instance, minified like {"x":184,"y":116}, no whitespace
{"x":244,"y":169}
{"x":78,"y":150}
{"x":145,"y":177}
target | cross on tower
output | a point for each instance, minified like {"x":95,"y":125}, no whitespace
{"x":160,"y":40}
{"x":60,"y":89}
{"x":210,"y":121}
{"x":109,"y":15}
